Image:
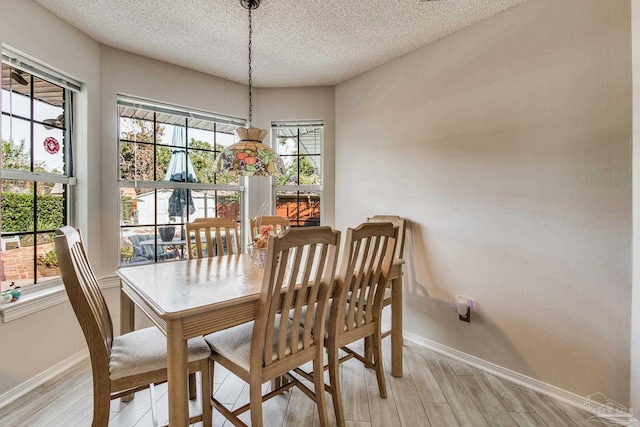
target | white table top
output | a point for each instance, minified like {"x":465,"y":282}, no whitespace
{"x":174,"y":288}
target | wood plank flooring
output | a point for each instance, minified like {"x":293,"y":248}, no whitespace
{"x":434,"y":391}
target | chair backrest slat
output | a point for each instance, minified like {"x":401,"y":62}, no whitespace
{"x":367,"y":258}
{"x":91,"y":289}
{"x":299,"y":272}
{"x":271,"y":307}
{"x":221,"y":237}
{"x":86,"y":297}
{"x":401,"y":223}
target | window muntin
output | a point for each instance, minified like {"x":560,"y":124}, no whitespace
{"x":298,"y":192}
{"x":36,"y":171}
{"x":166,"y":177}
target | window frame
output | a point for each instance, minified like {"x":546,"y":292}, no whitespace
{"x":70,"y":89}
{"x":157,"y":107}
{"x":319,"y":188}
{"x":47,"y":293}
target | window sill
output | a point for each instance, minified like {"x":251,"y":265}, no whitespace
{"x":45,"y":296}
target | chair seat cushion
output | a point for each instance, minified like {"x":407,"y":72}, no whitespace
{"x":145,"y":350}
{"x":235,"y":343}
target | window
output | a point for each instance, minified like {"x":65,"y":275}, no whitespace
{"x":298,"y":192}
{"x":36,"y":168}
{"x":167,"y":157}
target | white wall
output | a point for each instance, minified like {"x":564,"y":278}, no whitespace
{"x":508,"y":146}
{"x":32,"y":344}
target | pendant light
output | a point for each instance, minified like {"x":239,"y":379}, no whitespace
{"x":250,"y":156}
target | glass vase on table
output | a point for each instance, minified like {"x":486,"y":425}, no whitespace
{"x":258,"y":249}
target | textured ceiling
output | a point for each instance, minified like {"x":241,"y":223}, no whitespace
{"x":295,"y":43}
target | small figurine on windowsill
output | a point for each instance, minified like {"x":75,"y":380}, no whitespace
{"x":10,"y":295}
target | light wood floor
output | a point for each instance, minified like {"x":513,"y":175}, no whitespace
{"x":434,"y":391}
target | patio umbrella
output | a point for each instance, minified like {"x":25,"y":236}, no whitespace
{"x":180,"y":170}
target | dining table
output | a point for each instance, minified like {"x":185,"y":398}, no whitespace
{"x":195,"y":297}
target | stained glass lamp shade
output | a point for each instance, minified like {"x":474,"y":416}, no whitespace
{"x":250,"y":156}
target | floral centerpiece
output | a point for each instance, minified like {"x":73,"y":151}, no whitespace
{"x":258,"y":249}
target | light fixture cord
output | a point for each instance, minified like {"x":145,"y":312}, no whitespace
{"x":250,"y":82}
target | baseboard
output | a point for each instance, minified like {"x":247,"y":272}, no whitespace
{"x":610,"y":413}
{"x":554,"y":392}
{"x":43,"y":377}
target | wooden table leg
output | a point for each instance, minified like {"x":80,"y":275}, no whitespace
{"x":126,"y":314}
{"x":396,"y":326}
{"x":177,"y":375}
{"x":126,"y":325}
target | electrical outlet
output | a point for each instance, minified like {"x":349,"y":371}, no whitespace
{"x":466,"y":300}
{"x":464,"y":305}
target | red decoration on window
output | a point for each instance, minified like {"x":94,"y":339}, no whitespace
{"x":51,"y":145}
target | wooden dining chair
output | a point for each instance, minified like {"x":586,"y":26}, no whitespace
{"x":128,"y":363}
{"x":400,"y":223}
{"x":356,"y":308}
{"x":300,"y":271}
{"x":221,"y":237}
{"x":280,"y":224}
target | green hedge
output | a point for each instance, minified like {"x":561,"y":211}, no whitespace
{"x":17,"y":212}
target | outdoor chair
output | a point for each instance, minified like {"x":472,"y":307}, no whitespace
{"x":150,"y":251}
{"x":10,"y":239}
{"x":131,"y":362}
{"x":300,"y":270}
